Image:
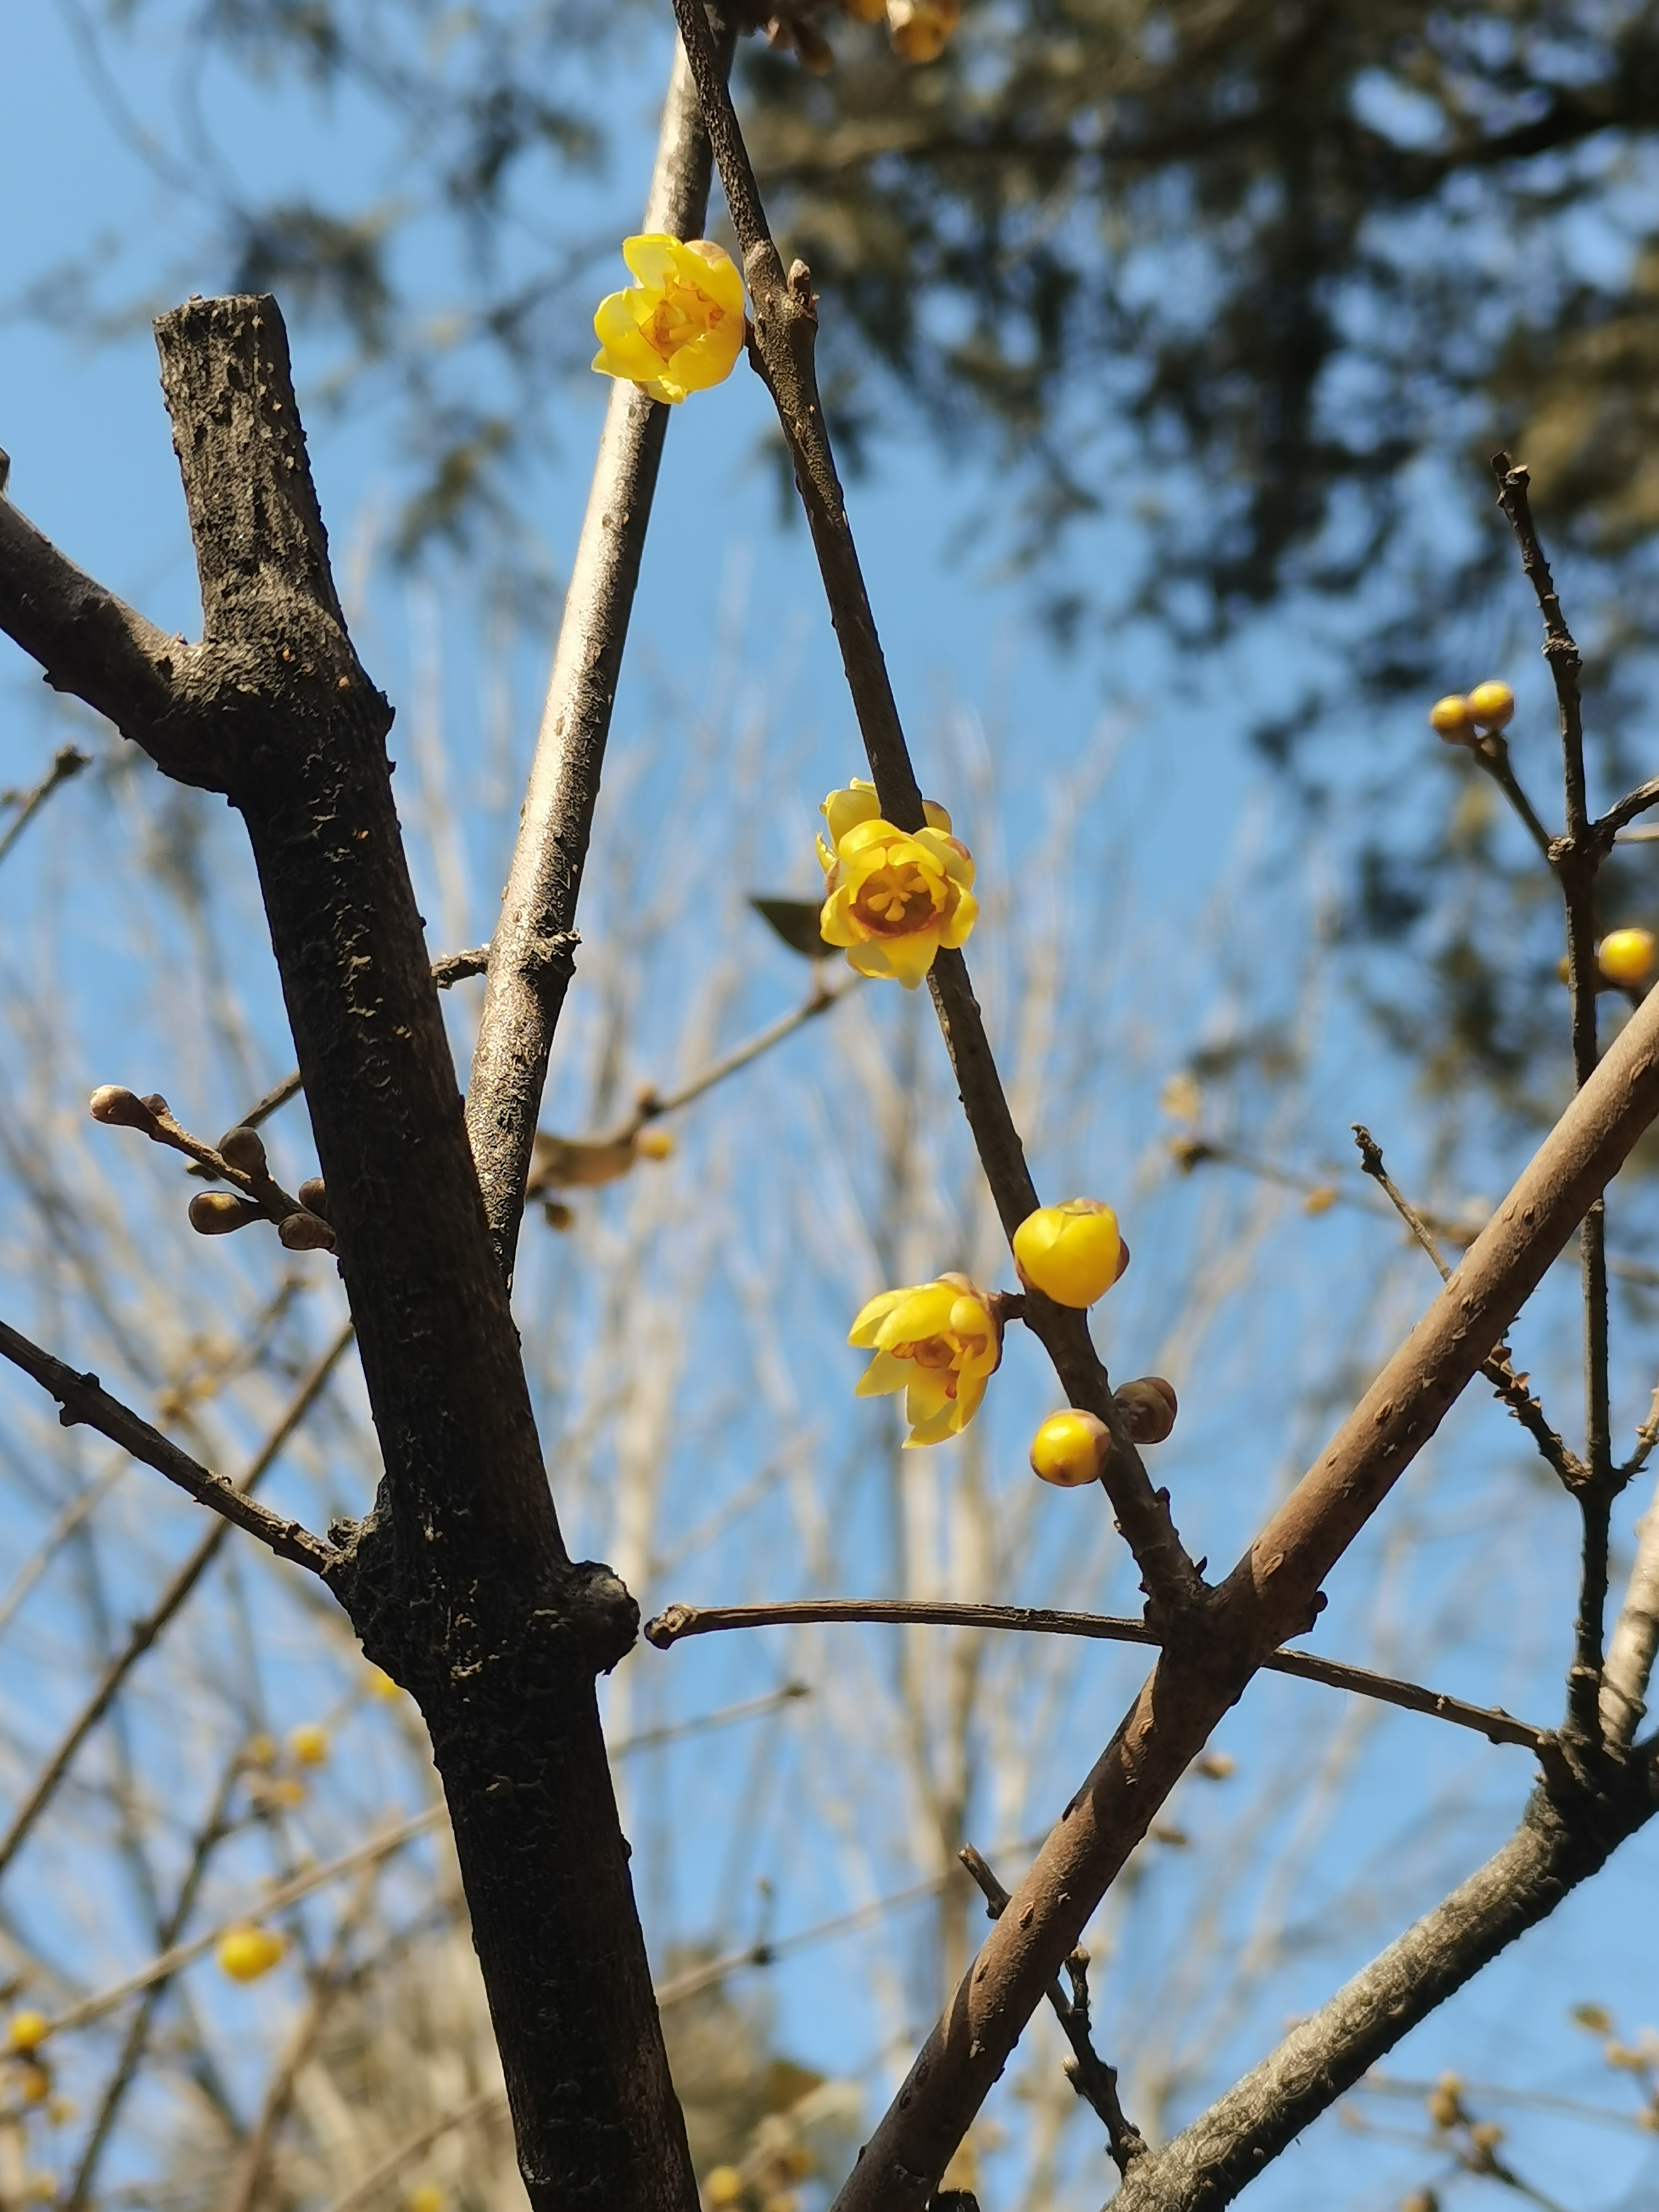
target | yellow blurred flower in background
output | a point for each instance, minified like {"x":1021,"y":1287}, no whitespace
{"x":246,"y":1952}
{"x":939,"y":1343}
{"x":892,"y":897}
{"x":680,"y":328}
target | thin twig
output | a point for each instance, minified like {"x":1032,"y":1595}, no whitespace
{"x":1095,"y":2081}
{"x":678,"y":1621}
{"x":86,"y":1402}
{"x":67,"y":762}
{"x":785,"y":326}
{"x":298,"y":1228}
{"x":1575,"y":858}
{"x":532,"y":953}
{"x":1492,"y":752}
{"x":1498,"y":1370}
{"x":1626,"y":810}
{"x":146,"y":1631}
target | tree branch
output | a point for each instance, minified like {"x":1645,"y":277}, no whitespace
{"x":676,"y":1622}
{"x":784,"y":328}
{"x":85,"y":1402}
{"x":1632,"y":804}
{"x":145,"y":1632}
{"x":1635,"y":1638}
{"x":67,"y":762}
{"x":532,"y":953}
{"x":1273,"y":1593}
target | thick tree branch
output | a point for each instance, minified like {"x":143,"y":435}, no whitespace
{"x":785,"y":327}
{"x":1635,"y":1638}
{"x":1212,"y":2161}
{"x":1273,"y":1592}
{"x":532,"y":953}
{"x":676,"y":1622}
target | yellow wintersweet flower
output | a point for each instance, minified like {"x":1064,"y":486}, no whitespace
{"x":246,"y":1952}
{"x":893,"y":897}
{"x":26,"y":2031}
{"x":1073,"y":1253}
{"x":680,"y":328}
{"x":939,"y":1343}
{"x":308,"y":1745}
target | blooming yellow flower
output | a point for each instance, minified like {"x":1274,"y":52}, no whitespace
{"x":939,"y":1343}
{"x":1626,"y":955}
{"x":26,"y":2031}
{"x":893,"y":898}
{"x":1069,"y":1449}
{"x":680,"y":328}
{"x":245,"y":1952}
{"x":1072,"y":1253}
{"x":308,"y":1744}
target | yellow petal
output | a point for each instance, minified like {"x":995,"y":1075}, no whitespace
{"x":926,"y":1399}
{"x":700,"y":262}
{"x":924,"y":1311}
{"x":844,"y":810}
{"x":864,"y":845}
{"x":884,"y":1374}
{"x":869,"y":960}
{"x":958,"y":927}
{"x":910,"y":957}
{"x":651,"y":257}
{"x":934,"y":1429}
{"x":708,"y":359}
{"x":935,"y":815}
{"x":870,"y":1317}
{"x":837,"y":923}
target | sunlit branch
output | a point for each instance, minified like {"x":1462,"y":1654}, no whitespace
{"x":676,"y":1622}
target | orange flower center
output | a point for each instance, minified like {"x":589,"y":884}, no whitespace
{"x":682,"y":315}
{"x":893,"y":902}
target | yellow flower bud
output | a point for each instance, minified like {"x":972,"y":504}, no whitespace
{"x":1626,"y":955}
{"x":1445,"y":2101}
{"x":426,"y":2197}
{"x":680,"y":328}
{"x":1490,"y":704}
{"x":26,"y":2031}
{"x":1148,"y":1408}
{"x":260,"y":1751}
{"x":246,"y":1952}
{"x":1072,"y":1253}
{"x":722,"y":2187}
{"x":1486,"y":2136}
{"x":1069,"y":1449}
{"x":654,"y":1145}
{"x":308,"y":1744}
{"x":1449,"y":717}
{"x":381,"y":1684}
{"x":1321,"y":1199}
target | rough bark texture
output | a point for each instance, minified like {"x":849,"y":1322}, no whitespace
{"x":1553,"y":1850}
{"x":458,"y":1583}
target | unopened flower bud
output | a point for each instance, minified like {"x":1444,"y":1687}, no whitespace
{"x":1072,"y":1252}
{"x":124,"y":1110}
{"x":1445,"y":2101}
{"x":1486,"y":2136}
{"x":244,"y":1148}
{"x":1069,"y":1449}
{"x":1449,"y":718}
{"x":34,"y":2086}
{"x":313,"y":1194}
{"x":308,"y":1744}
{"x":1491,"y":705}
{"x":1148,"y":1408}
{"x":216,"y":1213}
{"x":304,"y":1232}
{"x":1321,"y":1199}
{"x":246,"y":1953}
{"x":1626,"y":955}
{"x":26,"y":2031}
{"x":1215,"y":1765}
{"x":653,"y":1144}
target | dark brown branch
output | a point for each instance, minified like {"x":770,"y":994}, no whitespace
{"x":1626,"y":810}
{"x":1576,"y":859}
{"x":1551,"y":1853}
{"x":783,"y":348}
{"x":85,"y":1402}
{"x":66,"y":762}
{"x":532,"y":953}
{"x":146,"y":1632}
{"x":1499,"y":1369}
{"x":1272,"y":1594}
{"x":678,"y":1621}
{"x":1492,"y":752}
{"x":1095,"y":2081}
